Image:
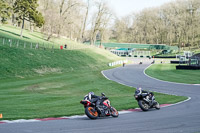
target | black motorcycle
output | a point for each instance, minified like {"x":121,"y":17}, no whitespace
{"x":146,"y":101}
{"x":103,"y":109}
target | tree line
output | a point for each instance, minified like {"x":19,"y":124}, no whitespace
{"x":174,"y":23}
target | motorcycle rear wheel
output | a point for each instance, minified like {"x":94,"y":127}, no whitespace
{"x":114,"y":112}
{"x":91,"y":112}
{"x":144,"y":106}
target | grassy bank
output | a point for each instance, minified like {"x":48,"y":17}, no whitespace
{"x":168,"y":72}
{"x":16,"y":62}
{"x":42,"y":83}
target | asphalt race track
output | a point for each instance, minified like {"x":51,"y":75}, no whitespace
{"x":180,"y":118}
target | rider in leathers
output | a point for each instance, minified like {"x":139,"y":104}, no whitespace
{"x":91,"y":97}
{"x":150,"y":95}
{"x":95,"y":99}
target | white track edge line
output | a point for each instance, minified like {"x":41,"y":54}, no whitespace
{"x":189,"y":98}
{"x":164,"y":80}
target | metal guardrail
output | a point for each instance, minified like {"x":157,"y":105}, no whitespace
{"x":117,"y":63}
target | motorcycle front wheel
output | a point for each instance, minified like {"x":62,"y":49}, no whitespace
{"x":91,"y":112}
{"x":143,"y":105}
{"x":114,"y":112}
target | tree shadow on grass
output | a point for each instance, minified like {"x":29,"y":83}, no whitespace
{"x":14,"y":34}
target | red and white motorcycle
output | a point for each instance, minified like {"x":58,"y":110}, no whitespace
{"x":104,"y":109}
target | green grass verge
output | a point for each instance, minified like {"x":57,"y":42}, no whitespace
{"x":59,"y":95}
{"x":168,"y":72}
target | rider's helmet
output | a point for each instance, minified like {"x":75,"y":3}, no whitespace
{"x":103,"y":94}
{"x":138,"y":90}
{"x":91,"y":93}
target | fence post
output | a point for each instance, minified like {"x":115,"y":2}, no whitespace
{"x":3,"y":41}
{"x":53,"y":47}
{"x":31,"y":46}
{"x":24,"y":45}
{"x":36,"y":46}
{"x":10,"y":43}
{"x":17,"y":43}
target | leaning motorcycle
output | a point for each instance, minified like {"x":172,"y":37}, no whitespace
{"x":145,"y":103}
{"x":103,"y":110}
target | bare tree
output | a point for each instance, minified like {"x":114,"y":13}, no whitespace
{"x":100,"y":20}
{"x":65,"y":9}
{"x":85,"y":21}
{"x":62,"y":18}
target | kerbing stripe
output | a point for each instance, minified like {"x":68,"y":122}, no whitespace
{"x":80,"y":116}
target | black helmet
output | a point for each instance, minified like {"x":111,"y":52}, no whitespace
{"x":103,"y":94}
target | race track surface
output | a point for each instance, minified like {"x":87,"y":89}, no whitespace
{"x":180,"y":118}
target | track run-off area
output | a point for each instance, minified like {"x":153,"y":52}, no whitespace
{"x":181,"y":118}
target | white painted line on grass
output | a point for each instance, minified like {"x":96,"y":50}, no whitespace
{"x":189,"y":98}
{"x":104,"y":75}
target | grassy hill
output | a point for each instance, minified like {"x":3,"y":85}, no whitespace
{"x":37,"y":83}
{"x":17,"y":62}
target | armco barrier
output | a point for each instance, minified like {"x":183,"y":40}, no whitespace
{"x":188,"y":67}
{"x":117,"y":63}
